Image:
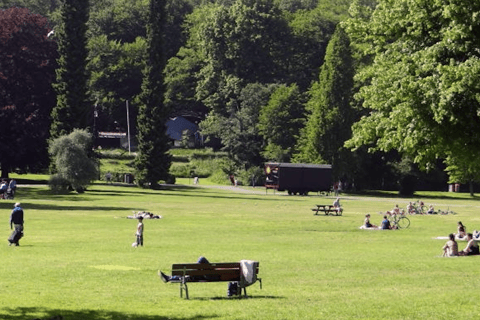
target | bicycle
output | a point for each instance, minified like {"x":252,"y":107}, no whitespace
{"x":400,"y":222}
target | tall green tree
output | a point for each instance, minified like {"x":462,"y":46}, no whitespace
{"x":27,"y":70}
{"x":331,"y":114}
{"x":153,"y":161}
{"x":73,"y":105}
{"x":422,"y":89}
{"x":280,"y":122}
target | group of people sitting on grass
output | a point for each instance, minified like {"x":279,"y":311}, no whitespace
{"x":7,"y":189}
{"x":450,"y":249}
{"x":385,"y":225}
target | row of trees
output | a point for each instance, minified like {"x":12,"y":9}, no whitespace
{"x":72,"y":108}
{"x":397,"y":79}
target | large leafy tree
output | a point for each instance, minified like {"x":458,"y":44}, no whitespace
{"x":280,"y":122}
{"x":153,"y":160}
{"x":422,"y":89}
{"x":45,"y":8}
{"x":115,"y":76}
{"x":245,"y":41}
{"x":73,"y":106}
{"x":27,"y":70}
{"x":239,"y":132}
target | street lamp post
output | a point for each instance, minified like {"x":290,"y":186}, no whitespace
{"x":128,"y":128}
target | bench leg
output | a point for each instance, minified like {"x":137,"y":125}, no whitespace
{"x":183,"y":286}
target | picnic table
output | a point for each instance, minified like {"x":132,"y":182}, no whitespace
{"x":326,"y":209}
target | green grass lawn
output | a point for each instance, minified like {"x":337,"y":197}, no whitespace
{"x":76,"y":258}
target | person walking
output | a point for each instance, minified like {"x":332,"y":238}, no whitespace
{"x":16,"y":223}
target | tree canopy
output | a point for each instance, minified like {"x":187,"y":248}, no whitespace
{"x":73,"y":105}
{"x":422,"y":89}
{"x":28,"y":61}
{"x":153,"y":161}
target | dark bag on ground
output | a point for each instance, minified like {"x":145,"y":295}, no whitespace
{"x":232,"y":288}
{"x":16,"y":235}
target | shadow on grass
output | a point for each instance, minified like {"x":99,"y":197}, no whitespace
{"x":418,"y":195}
{"x":30,"y":314}
{"x":57,"y":207}
{"x":117,"y":191}
{"x":256,"y":297}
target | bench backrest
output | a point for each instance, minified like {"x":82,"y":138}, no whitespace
{"x":229,"y":271}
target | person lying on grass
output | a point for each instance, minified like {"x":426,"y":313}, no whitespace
{"x":450,"y":249}
{"x":471,"y":248}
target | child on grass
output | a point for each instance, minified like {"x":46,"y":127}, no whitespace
{"x":139,"y":232}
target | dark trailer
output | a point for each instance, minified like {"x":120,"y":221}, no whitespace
{"x":298,"y":178}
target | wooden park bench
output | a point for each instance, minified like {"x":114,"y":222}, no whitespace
{"x":185,"y":273}
{"x":326,"y":209}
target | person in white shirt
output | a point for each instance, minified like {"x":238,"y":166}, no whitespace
{"x":139,"y":232}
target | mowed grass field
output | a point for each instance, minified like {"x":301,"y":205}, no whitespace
{"x":76,"y":259}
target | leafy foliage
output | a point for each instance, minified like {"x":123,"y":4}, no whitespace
{"x":280,"y":122}
{"x":72,"y":160}
{"x":331,"y":114}
{"x":27,"y":60}
{"x":422,"y":88}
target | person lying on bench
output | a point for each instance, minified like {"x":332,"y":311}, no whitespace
{"x":167,"y":278}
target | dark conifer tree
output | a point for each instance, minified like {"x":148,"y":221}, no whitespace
{"x":153,"y":161}
{"x":331,"y":114}
{"x":72,"y":107}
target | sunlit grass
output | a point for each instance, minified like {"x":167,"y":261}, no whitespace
{"x":76,"y":258}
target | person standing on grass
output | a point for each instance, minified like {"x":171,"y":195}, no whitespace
{"x":16,"y":223}
{"x":139,"y":232}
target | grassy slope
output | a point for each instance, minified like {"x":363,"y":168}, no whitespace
{"x":76,"y":258}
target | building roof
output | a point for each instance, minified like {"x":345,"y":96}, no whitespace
{"x":177,"y":125}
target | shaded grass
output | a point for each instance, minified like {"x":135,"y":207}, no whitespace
{"x":76,"y":259}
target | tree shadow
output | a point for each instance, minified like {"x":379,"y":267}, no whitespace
{"x":383,"y":194}
{"x":54,"y":314}
{"x":255,"y":297}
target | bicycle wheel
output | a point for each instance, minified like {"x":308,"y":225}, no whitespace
{"x":403,"y":223}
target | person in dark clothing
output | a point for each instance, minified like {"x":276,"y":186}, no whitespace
{"x":16,"y":223}
{"x":167,"y":278}
{"x":386,"y":223}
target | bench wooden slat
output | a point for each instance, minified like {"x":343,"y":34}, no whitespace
{"x":208,"y":272}
{"x":205,"y":266}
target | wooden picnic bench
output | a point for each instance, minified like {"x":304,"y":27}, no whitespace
{"x":326,"y":209}
{"x":185,"y":273}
